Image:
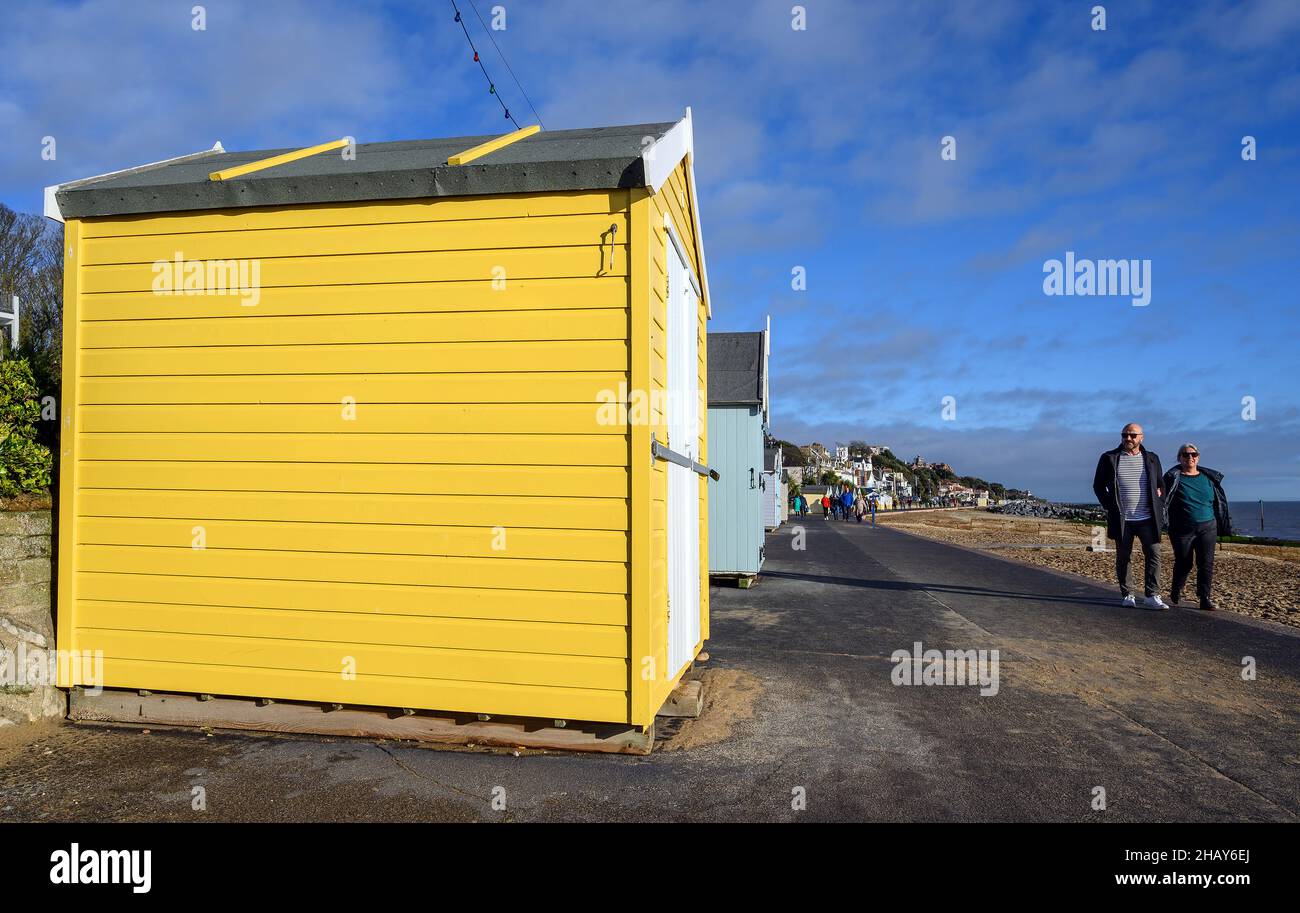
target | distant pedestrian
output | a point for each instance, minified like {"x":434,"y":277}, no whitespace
{"x":1127,"y":484}
{"x":859,"y":507}
{"x":826,"y":506}
{"x":1196,"y":513}
{"x":846,"y":504}
{"x":871,"y":500}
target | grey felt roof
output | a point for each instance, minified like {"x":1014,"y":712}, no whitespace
{"x":735,"y":369}
{"x":598,"y":158}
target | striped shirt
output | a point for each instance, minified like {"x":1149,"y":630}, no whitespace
{"x":1131,"y":477}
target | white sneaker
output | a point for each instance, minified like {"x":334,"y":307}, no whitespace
{"x":1154,"y":602}
{"x":1130,"y":602}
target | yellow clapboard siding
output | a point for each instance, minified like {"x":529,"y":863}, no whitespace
{"x":359,"y":538}
{"x":482,"y":481}
{"x":371,"y":689}
{"x":658,"y":366}
{"x":479,"y":234}
{"x":659,"y":316}
{"x":525,"y":449}
{"x":379,"y":298}
{"x":608,"y":609}
{"x":501,"y":573}
{"x":447,"y":358}
{"x":558,"y":671}
{"x":535,"y":386}
{"x":367,"y":533}
{"x":502,"y":206}
{"x":318,"y":507}
{"x":433,"y":266}
{"x":478,"y":418}
{"x":671,"y":195}
{"x":602,"y":323}
{"x":354,"y":627}
{"x":658,"y":272}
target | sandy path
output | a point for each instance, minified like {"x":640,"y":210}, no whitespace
{"x":1258,"y":580}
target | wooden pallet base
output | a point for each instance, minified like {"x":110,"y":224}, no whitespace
{"x":161,"y":709}
{"x":744,"y":581}
{"x":686,"y":700}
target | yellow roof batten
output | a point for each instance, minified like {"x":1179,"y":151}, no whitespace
{"x":492,"y":145}
{"x":240,"y":170}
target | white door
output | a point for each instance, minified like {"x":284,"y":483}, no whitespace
{"x":683,"y":418}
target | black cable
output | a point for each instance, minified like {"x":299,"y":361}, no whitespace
{"x":492,"y":87}
{"x":507,"y":63}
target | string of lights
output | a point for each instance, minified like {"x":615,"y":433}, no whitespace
{"x":492,"y":87}
{"x":509,"y":68}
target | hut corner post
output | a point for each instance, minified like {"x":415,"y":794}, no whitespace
{"x":641,"y":655}
{"x":65,"y":547}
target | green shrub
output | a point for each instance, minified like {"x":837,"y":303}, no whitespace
{"x":25,"y":463}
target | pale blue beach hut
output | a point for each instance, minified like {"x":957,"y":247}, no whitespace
{"x":738,"y":423}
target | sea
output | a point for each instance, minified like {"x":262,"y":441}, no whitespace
{"x":1281,"y":519}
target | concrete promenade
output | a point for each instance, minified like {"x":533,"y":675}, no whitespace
{"x":1150,"y":707}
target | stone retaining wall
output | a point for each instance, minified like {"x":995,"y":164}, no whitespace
{"x":26,"y":618}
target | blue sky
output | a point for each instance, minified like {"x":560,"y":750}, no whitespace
{"x":821,"y":149}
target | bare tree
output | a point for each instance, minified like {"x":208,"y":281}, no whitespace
{"x":43,"y":302}
{"x":31,"y":267}
{"x":20,"y":239}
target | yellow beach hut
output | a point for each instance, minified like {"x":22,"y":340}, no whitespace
{"x":404,"y":425}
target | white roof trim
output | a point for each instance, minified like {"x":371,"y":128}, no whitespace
{"x":767,"y":358}
{"x":659,"y":159}
{"x":52,"y":203}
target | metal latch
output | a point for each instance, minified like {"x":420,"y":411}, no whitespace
{"x":659,"y":452}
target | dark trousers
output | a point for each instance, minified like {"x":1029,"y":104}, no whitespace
{"x":1146,"y":532}
{"x":1194,"y":542}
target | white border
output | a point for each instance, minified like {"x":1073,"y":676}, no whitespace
{"x":658,"y":161}
{"x":52,"y":210}
{"x":681,"y":252}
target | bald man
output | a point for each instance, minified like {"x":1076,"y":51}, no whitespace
{"x":1127,"y":484}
